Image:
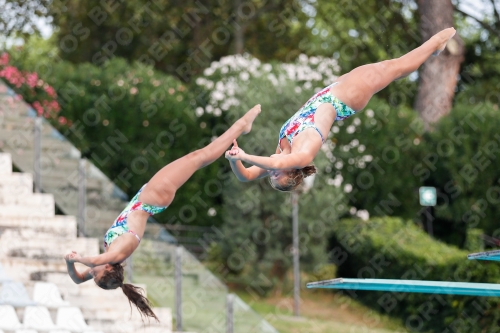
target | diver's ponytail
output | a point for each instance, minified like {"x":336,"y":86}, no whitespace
{"x":135,"y":296}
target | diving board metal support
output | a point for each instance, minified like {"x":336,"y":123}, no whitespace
{"x":411,"y":286}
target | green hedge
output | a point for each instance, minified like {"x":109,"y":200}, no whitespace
{"x":390,"y":248}
{"x":461,"y":160}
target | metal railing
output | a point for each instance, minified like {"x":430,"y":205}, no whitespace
{"x":173,"y":276}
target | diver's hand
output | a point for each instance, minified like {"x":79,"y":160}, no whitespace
{"x":72,"y":257}
{"x":236,"y":153}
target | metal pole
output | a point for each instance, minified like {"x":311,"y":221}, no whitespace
{"x":296,"y":270}
{"x":430,"y":230}
{"x":230,"y":313}
{"x":37,"y":155}
{"x":82,"y":196}
{"x":178,"y":289}
{"x":130,"y":269}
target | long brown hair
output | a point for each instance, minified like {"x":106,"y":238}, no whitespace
{"x":113,"y":279}
{"x":295,"y":178}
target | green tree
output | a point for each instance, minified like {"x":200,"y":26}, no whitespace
{"x":180,"y":38}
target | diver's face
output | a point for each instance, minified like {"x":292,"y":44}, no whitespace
{"x":98,"y":271}
{"x":279,"y":178}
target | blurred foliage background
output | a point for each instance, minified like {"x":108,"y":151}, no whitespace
{"x":171,"y":75}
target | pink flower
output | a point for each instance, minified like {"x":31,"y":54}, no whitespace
{"x":13,"y":75}
{"x":38,"y":108}
{"x":31,"y":79}
{"x":50,"y":91}
{"x":4,"y":59}
{"x":19,"y":97}
{"x":62,"y":120}
{"x":54,"y":105}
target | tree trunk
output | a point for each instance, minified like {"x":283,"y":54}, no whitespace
{"x":438,"y":76}
{"x":239,"y":31}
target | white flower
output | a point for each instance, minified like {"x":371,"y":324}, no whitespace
{"x":217,"y":96}
{"x":217,"y":112}
{"x":314,"y":60}
{"x":356,"y":121}
{"x":370,"y":113}
{"x":199,"y":111}
{"x":244,"y":76}
{"x":363,"y":214}
{"x":361,"y":148}
{"x":208,"y":71}
{"x":347,"y":188}
{"x":350,"y":129}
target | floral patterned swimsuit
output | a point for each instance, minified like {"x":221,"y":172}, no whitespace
{"x":304,"y":118}
{"x":120,"y":225}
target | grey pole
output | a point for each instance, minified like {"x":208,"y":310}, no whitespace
{"x":37,"y":155}
{"x":82,"y":196}
{"x":230,"y":313}
{"x":178,"y":289}
{"x":430,"y":230}
{"x":130,"y":269}
{"x":295,"y":249}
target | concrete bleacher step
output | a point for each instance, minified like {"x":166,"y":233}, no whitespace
{"x":25,"y":210}
{"x":16,"y":184}
{"x":105,"y":309}
{"x":5,"y":164}
{"x":26,"y":269}
{"x":67,"y":165}
{"x":8,"y":101}
{"x":28,"y":211}
{"x":26,"y":140}
{"x":123,"y":322}
{"x":59,"y":225}
{"x":33,"y":199}
{"x":15,"y":123}
{"x":29,"y":245}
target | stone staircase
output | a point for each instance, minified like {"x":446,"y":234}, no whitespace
{"x":59,"y":166}
{"x":24,"y":214}
{"x":32,"y":243}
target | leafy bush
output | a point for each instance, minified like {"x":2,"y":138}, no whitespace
{"x":461,"y":160}
{"x":373,"y":154}
{"x":389,"y":248}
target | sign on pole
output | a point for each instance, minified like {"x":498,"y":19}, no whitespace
{"x":428,"y":196}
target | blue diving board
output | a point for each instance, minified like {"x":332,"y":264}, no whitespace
{"x":490,"y":255}
{"x":411,"y":286}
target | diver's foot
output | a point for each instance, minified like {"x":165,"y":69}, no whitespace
{"x":249,"y":117}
